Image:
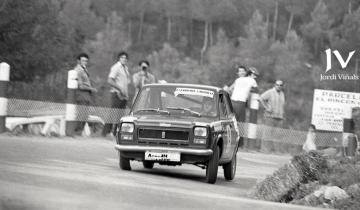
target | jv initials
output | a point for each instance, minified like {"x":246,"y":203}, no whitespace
{"x":339,"y":58}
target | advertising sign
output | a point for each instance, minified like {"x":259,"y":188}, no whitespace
{"x":331,"y":107}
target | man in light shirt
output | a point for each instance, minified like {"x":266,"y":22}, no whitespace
{"x":240,"y":93}
{"x":240,"y":90}
{"x":119,"y":79}
{"x":273,"y":101}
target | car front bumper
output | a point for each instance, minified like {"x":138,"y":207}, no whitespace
{"x":188,"y":151}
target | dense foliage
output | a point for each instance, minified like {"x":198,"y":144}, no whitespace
{"x":203,"y":38}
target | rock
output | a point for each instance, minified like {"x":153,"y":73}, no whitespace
{"x":331,"y":193}
{"x":320,"y":192}
{"x":353,"y":190}
{"x":335,"y":193}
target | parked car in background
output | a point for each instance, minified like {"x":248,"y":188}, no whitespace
{"x":172,"y":124}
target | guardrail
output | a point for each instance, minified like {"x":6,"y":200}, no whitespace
{"x":258,"y":136}
{"x":61,"y":116}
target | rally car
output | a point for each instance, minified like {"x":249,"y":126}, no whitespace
{"x":172,"y":124}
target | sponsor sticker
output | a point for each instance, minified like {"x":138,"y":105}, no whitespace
{"x":193,"y":91}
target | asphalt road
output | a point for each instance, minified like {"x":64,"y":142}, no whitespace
{"x":66,"y":173}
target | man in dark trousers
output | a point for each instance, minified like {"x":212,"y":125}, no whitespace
{"x":84,"y":92}
{"x":273,"y":101}
{"x":118,"y":79}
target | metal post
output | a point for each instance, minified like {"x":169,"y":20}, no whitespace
{"x":253,"y":141}
{"x":349,"y":138}
{"x":4,"y":83}
{"x":70,"y":116}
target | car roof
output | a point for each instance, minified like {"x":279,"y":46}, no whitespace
{"x":217,"y":89}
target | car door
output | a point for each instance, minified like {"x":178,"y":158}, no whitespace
{"x":235,"y":133}
{"x":227,"y":127}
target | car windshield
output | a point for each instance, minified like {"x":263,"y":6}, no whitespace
{"x":172,"y":100}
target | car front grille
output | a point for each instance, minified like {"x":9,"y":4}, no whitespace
{"x":180,"y":135}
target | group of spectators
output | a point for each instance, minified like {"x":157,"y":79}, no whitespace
{"x":119,"y":80}
{"x":273,"y":100}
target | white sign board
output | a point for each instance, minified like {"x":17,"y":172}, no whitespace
{"x":331,"y":107}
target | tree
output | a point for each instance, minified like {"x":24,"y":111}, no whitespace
{"x":79,"y":16}
{"x":210,"y":11}
{"x":294,"y":8}
{"x":343,"y":37}
{"x":318,"y":29}
{"x":167,"y":65}
{"x":254,"y":48}
{"x":219,"y":60}
{"x":33,"y":40}
{"x":103,"y":50}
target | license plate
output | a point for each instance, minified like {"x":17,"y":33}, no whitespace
{"x":162,"y":156}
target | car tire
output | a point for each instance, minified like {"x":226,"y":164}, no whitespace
{"x":124,"y":163}
{"x":230,"y":169}
{"x":212,"y":166}
{"x":148,"y":164}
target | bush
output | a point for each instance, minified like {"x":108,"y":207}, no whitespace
{"x":345,"y":172}
{"x":281,"y":185}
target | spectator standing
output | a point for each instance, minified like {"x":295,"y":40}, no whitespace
{"x":273,"y":101}
{"x":119,"y":79}
{"x":240,"y":92}
{"x":84,"y":92}
{"x":143,"y":76}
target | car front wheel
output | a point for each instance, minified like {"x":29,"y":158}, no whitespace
{"x":230,"y":169}
{"x":212,"y":166}
{"x":124,"y":163}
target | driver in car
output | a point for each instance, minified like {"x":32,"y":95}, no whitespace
{"x":208,"y":108}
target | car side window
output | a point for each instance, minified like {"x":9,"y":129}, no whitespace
{"x":222,"y":107}
{"x":228,"y":103}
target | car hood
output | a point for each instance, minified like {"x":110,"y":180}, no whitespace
{"x":169,"y":120}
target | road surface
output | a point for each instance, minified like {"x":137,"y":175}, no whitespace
{"x":76,"y":173}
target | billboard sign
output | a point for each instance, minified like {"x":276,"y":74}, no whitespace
{"x":331,"y":107}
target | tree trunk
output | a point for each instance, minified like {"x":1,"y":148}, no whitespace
{"x":350,"y":7}
{"x":168,"y":37}
{"x":267,"y":25}
{"x":191,"y":31}
{"x":142,"y":14}
{"x":290,"y":22}
{"x":2,"y":7}
{"x":203,"y":49}
{"x":275,"y":19}
{"x":211,"y":37}
{"x":179,"y":26}
{"x":129,"y":30}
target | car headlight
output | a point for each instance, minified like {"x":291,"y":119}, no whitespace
{"x":200,"y":131}
{"x":127,"y":127}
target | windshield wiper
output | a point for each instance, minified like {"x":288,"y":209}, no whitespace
{"x":185,"y":109}
{"x":153,"y":110}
